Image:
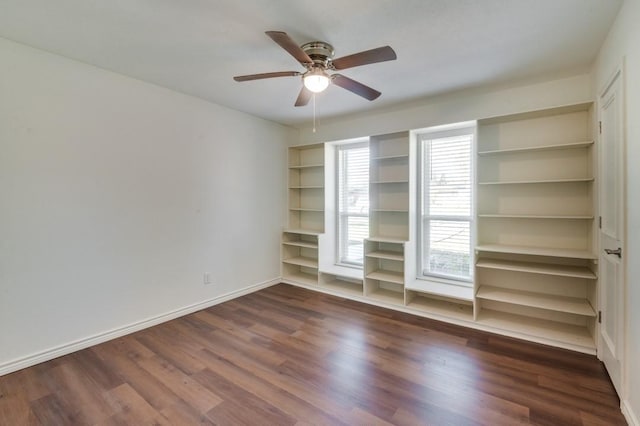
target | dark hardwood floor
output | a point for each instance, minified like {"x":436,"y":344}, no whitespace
{"x":285,"y":356}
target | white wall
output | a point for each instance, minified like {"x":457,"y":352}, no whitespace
{"x":117,"y":195}
{"x":624,"y":41}
{"x":454,"y":108}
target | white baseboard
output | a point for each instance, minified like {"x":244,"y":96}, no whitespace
{"x":628,"y":413}
{"x":49,"y":354}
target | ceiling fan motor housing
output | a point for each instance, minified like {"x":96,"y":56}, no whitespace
{"x":320,"y":52}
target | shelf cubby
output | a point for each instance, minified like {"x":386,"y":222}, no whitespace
{"x":537,"y":251}
{"x":562,"y":146}
{"x":536,"y":200}
{"x":571,"y":336}
{"x":570,"y":271}
{"x":384,"y":291}
{"x":342,"y":284}
{"x":384,"y":270}
{"x":306,"y":156}
{"x":299,"y":275}
{"x":393,"y":277}
{"x":300,"y":257}
{"x":390,"y":193}
{"x":440,"y":306}
{"x":552,"y":302}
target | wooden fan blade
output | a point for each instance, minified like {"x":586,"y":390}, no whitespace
{"x":266,"y":75}
{"x":290,"y":46}
{"x":381,"y":54}
{"x":304,"y":97}
{"x":355,"y":87}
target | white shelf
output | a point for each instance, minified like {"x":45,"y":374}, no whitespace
{"x":341,"y":286}
{"x":388,"y":182}
{"x":566,"y":334}
{"x":390,"y":157}
{"x":441,"y":289}
{"x":387,"y":296}
{"x":526,"y":115}
{"x":538,"y":268}
{"x":390,"y":210}
{"x":301,"y":231}
{"x":440,"y":307}
{"x":301,"y":209}
{"x":307,"y":166}
{"x":571,"y":305}
{"x":536,"y":181}
{"x":309,"y":262}
{"x":575,"y":145}
{"x":307,"y":187}
{"x":385,"y":254}
{"x":537,"y":251}
{"x":301,"y":277}
{"x":388,"y":276}
{"x":387,"y":240}
{"x":305,"y":244}
{"x":529,"y":216}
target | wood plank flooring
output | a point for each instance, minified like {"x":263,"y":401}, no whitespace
{"x":289,"y":356}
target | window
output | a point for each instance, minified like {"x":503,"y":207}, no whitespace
{"x":446,"y":200}
{"x":353,"y":202}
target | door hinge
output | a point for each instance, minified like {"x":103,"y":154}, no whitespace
{"x":600,"y":126}
{"x":599,"y":317}
{"x":600,"y":222}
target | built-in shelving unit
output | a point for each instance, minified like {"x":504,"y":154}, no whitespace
{"x":389,"y":175}
{"x":300,"y":256}
{"x":306,"y":214}
{"x":306,"y":187}
{"x":535,"y":254}
{"x":535,"y":258}
{"x":384,"y":270}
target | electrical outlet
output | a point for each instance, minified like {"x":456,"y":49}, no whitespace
{"x":207,"y":278}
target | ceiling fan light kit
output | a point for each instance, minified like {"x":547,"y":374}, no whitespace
{"x":316,"y":80}
{"x":317,"y":58}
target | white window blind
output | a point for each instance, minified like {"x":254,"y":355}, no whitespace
{"x":353,"y":202}
{"x":446,"y":205}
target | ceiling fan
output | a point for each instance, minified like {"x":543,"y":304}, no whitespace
{"x":317,"y":58}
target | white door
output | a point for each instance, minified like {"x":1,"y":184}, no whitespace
{"x":612,"y":229}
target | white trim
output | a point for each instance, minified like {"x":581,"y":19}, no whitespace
{"x":618,"y":74}
{"x":427,"y":134}
{"x":628,"y":413}
{"x":55,"y":352}
{"x":341,"y":148}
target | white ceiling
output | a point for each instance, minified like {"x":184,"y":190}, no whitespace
{"x":197,"y":46}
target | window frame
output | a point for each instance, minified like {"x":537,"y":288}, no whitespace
{"x":437,"y":133}
{"x":361,"y":143}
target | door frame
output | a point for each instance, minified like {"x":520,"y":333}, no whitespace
{"x":617,"y":74}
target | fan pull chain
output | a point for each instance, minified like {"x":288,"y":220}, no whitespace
{"x":314,"y":112}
